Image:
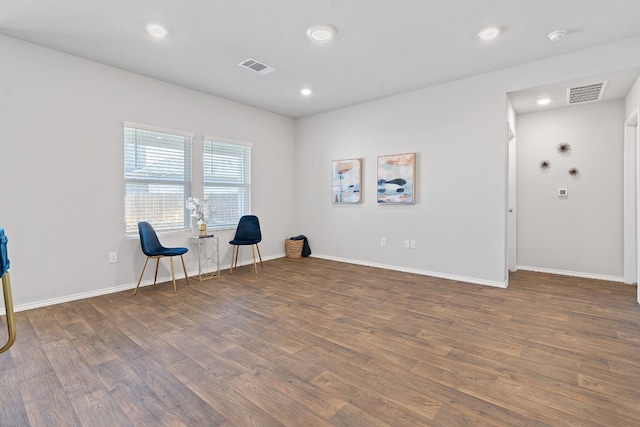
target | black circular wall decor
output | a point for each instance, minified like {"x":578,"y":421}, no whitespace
{"x":564,"y":148}
{"x":545,"y":165}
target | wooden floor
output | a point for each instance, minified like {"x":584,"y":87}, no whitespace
{"x":310,"y":342}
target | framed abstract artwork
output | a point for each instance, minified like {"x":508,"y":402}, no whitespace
{"x":346,"y":181}
{"x":396,"y":178}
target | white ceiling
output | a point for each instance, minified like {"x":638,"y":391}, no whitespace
{"x":382,"y":47}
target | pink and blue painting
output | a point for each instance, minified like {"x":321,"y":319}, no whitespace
{"x":346,"y":178}
{"x":396,"y":178}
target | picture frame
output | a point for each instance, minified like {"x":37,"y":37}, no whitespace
{"x":396,"y":178}
{"x":346,"y":181}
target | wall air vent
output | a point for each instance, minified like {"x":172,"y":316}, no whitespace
{"x":587,"y":93}
{"x":257,"y":66}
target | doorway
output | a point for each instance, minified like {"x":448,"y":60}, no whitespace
{"x":523,"y":101}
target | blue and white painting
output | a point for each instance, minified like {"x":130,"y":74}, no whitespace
{"x":396,"y":177}
{"x":346,"y":177}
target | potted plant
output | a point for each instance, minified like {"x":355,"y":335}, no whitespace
{"x":200,"y":210}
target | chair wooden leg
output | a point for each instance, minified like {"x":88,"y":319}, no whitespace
{"x":235,"y":264}
{"x":140,"y":279}
{"x":253,"y":252}
{"x":8,"y":305}
{"x":156,"y":275}
{"x":173,"y":276}
{"x":258,"y":248}
{"x":184,"y":267}
{"x":234,"y":256}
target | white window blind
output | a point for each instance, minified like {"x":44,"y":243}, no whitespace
{"x":157,"y":172}
{"x":227,"y":181}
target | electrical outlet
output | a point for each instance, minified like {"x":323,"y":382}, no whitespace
{"x":413,"y":244}
{"x":406,"y":244}
{"x":383,"y":242}
{"x":113,"y":257}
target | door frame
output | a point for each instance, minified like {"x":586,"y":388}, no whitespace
{"x":631,"y":187}
{"x":511,"y":199}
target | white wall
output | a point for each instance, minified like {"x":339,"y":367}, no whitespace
{"x":61,"y":151}
{"x":458,"y":218}
{"x":457,"y":130}
{"x":582,"y":233}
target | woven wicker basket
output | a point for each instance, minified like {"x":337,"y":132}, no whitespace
{"x":293,"y":248}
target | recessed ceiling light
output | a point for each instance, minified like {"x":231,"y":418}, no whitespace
{"x":156,"y":30}
{"x":543,"y":101}
{"x":489,"y":33}
{"x":321,"y":33}
{"x":305,"y":91}
{"x":557,"y":35}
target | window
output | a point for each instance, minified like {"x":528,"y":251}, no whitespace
{"x":157,"y":174}
{"x":227,"y":181}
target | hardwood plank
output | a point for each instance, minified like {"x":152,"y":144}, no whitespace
{"x":27,"y":355}
{"x":152,"y":344}
{"x":353,"y":416}
{"x":393,"y":390}
{"x":176,"y":395}
{"x":382,"y":407}
{"x":88,"y":343}
{"x":97,"y":408}
{"x":12,"y":407}
{"x":134,"y":397}
{"x":557,"y":408}
{"x":45,"y":324}
{"x":237,"y":409}
{"x":281,"y":406}
{"x":46,"y":403}
{"x":462,"y":407}
{"x":74,"y":374}
{"x":291,"y":376}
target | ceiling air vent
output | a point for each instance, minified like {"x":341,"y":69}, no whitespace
{"x":586,"y":93}
{"x":257,"y":66}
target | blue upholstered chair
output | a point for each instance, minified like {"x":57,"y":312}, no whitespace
{"x":153,"y":249}
{"x":247,"y":233}
{"x":6,"y":289}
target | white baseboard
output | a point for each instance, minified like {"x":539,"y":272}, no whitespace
{"x":415,"y":271}
{"x":571,"y":273}
{"x":120,"y":288}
